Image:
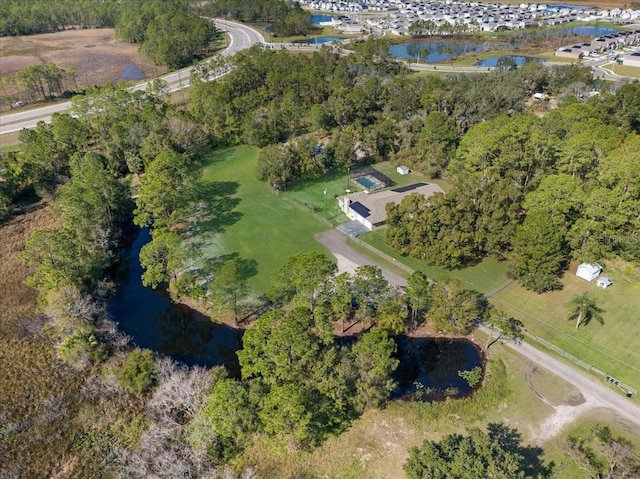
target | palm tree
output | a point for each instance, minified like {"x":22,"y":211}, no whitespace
{"x":584,"y":309}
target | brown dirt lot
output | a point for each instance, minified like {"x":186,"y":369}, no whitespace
{"x":96,"y":55}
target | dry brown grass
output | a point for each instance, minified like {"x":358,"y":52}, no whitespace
{"x":18,"y":301}
{"x":96,"y":55}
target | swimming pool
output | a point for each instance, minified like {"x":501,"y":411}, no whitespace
{"x":369,"y":183}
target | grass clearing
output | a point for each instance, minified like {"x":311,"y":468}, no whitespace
{"x":611,"y":347}
{"x":250,"y":220}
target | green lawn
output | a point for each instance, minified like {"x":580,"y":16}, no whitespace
{"x":613,"y":347}
{"x":485,"y":277}
{"x":250,"y":220}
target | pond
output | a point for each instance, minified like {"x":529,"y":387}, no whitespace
{"x":518,"y":60}
{"x":150,"y":318}
{"x":319,"y":18}
{"x":437,"y":51}
{"x":429,"y":367}
{"x":317,"y":40}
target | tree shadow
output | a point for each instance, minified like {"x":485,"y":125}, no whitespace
{"x":214,"y":208}
{"x":246,"y":267}
{"x":511,"y":440}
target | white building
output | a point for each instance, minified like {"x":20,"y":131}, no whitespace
{"x":589,"y":271}
{"x":370,"y":209}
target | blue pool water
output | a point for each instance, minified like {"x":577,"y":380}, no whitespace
{"x":367,"y":183}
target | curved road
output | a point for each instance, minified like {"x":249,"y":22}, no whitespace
{"x":596,"y":395}
{"x":241,"y":37}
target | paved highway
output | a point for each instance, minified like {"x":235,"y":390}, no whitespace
{"x":240,"y":37}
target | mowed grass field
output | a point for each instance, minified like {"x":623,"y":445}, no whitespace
{"x":252,"y":221}
{"x":613,"y":347}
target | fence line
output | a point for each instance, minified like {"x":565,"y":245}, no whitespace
{"x":625,"y":387}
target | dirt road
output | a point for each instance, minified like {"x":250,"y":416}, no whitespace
{"x":596,"y":394}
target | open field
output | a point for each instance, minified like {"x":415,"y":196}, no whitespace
{"x":613,"y":347}
{"x":253,"y":221}
{"x":377,"y":444}
{"x":94,"y":54}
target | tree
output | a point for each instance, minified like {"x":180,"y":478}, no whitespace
{"x":603,"y":456}
{"x":418,"y":291}
{"x":341,"y":297}
{"x":583,"y":308}
{"x":539,"y":250}
{"x":370,"y":288}
{"x":228,"y":415}
{"x":479,"y":454}
{"x":391,"y":315}
{"x":229,"y":287}
{"x":160,"y":258}
{"x":454,"y":309}
{"x":280,"y":348}
{"x":138,"y":373}
{"x":508,"y":328}
{"x":303,"y":278}
{"x":374,"y":362}
{"x":164,"y":190}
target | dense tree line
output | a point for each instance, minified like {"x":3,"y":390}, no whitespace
{"x":285,"y":18}
{"x":170,"y":33}
{"x":540,"y":190}
{"x":43,"y":82}
{"x":28,"y":17}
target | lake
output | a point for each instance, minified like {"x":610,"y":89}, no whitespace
{"x":319,"y":18}
{"x":438,"y":50}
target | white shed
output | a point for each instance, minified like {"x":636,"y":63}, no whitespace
{"x":604,"y":282}
{"x":589,"y":271}
{"x":403,"y":170}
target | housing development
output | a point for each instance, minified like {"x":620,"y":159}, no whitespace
{"x":471,"y":16}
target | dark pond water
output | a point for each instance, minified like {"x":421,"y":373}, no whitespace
{"x":429,"y":368}
{"x":319,"y":18}
{"x":437,"y":51}
{"x":518,"y":60}
{"x":154,"y":322}
{"x":317,"y":40}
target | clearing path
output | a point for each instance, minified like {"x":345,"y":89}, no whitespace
{"x":596,"y":395}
